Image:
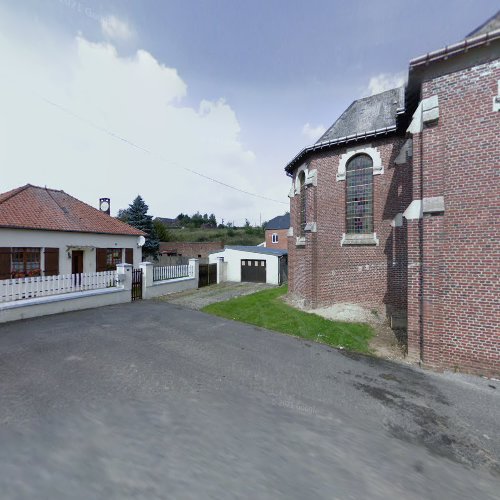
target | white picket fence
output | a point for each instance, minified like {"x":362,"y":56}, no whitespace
{"x":41,"y":286}
{"x":161,"y":273}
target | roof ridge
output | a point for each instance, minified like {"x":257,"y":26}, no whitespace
{"x":45,"y":188}
{"x":63,"y":209}
{"x":14,"y":192}
{"x":399,"y":87}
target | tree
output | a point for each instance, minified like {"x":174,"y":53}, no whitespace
{"x":123,"y":214}
{"x":161,"y":231}
{"x":137,"y":216}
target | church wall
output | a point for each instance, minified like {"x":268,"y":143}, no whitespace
{"x":328,"y":270}
{"x":461,"y":244}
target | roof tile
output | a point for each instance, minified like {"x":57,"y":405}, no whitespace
{"x":33,"y":207}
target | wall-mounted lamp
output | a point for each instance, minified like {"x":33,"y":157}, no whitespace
{"x":69,"y":255}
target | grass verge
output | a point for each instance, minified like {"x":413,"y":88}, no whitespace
{"x":267,"y":310}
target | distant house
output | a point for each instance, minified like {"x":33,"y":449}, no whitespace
{"x":47,"y":232}
{"x":169,"y":223}
{"x":189,"y":249}
{"x":253,"y":264}
{"x":277,"y":232}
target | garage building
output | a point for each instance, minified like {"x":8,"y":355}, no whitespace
{"x":253,"y":264}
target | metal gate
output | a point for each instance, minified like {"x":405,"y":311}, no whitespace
{"x":136,"y":284}
{"x":208,"y":275}
{"x":253,"y":270}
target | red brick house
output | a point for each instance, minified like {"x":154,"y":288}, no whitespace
{"x":277,"y":232}
{"x":397,"y":207}
{"x":190,"y":249}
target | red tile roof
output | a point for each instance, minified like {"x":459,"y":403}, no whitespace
{"x":33,"y":207}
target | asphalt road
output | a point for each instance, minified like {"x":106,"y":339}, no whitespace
{"x":149,"y":400}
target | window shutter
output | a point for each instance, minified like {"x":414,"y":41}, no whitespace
{"x":101,"y":258}
{"x":129,"y":256}
{"x":5,"y":263}
{"x":51,"y":261}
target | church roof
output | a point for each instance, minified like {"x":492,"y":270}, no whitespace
{"x":491,"y":24}
{"x":367,"y":114}
{"x":367,"y":117}
{"x":487,"y":34}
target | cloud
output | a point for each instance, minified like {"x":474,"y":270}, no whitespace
{"x":313,"y":133}
{"x":384,"y":81}
{"x":116,"y":29}
{"x":139,"y":99}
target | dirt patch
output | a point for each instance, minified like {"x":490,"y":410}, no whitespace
{"x":387,"y":343}
{"x":198,"y":299}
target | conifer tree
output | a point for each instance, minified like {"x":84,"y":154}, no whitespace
{"x":137,"y":216}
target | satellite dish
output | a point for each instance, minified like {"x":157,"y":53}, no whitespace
{"x":140,"y":241}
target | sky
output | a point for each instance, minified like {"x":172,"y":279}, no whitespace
{"x":182,"y":101}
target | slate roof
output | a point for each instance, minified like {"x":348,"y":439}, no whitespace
{"x":488,"y":34}
{"x":367,"y":114}
{"x":280,"y":222}
{"x":365,"y":118}
{"x":491,"y":24}
{"x":261,"y":250}
{"x":34,"y":207}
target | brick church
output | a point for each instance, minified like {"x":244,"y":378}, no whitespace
{"x":397,"y":207}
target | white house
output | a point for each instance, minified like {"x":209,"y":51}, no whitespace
{"x":247,"y":263}
{"x":48,"y":232}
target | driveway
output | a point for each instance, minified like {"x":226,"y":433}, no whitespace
{"x":151,"y":400}
{"x":201,"y":297}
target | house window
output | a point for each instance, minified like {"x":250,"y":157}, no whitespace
{"x":275,"y":238}
{"x":302,"y":202}
{"x":359,"y":195}
{"x":25,"y":262}
{"x":113,"y":257}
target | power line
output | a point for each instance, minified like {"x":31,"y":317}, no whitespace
{"x":148,"y":151}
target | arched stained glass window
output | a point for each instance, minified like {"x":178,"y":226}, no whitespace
{"x":359,"y":195}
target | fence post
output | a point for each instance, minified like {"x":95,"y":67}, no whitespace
{"x":195,"y":265}
{"x":220,"y":270}
{"x":147,"y":278}
{"x":124,"y":274}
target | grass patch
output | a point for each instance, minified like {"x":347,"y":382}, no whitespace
{"x":267,"y":310}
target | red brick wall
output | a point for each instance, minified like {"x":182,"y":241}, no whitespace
{"x":282,"y":239}
{"x":323,"y":272}
{"x":461,"y":249}
{"x":191,"y":249}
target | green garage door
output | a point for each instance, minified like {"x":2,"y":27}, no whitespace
{"x":253,"y":270}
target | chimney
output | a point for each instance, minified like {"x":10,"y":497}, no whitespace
{"x":104,"y":205}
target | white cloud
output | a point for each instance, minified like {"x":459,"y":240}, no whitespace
{"x":313,"y":133}
{"x":137,"y":98}
{"x":116,"y":29}
{"x":384,"y":81}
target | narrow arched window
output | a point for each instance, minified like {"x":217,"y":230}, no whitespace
{"x":359,"y":195}
{"x":302,"y":203}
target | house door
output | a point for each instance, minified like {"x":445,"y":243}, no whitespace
{"x":77,"y":261}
